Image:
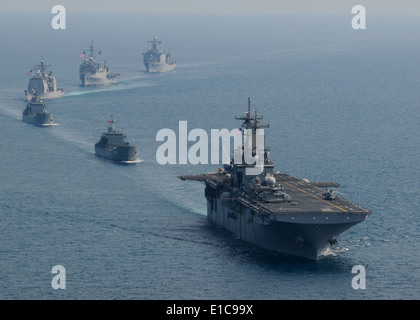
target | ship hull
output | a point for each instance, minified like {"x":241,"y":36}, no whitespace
{"x":307,"y":236}
{"x":38,"y":119}
{"x":159,"y":67}
{"x":120,"y":153}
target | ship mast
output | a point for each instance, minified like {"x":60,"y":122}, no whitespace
{"x":112,"y":121}
{"x":252,"y":121}
{"x":42,"y":67}
{"x":111,"y":124}
{"x":91,"y":50}
{"x":154,"y":42}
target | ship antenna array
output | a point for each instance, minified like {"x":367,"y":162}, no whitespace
{"x":42,"y":66}
{"x":155,"y":42}
{"x":111,"y":122}
{"x":251,"y":121}
{"x":92,"y":50}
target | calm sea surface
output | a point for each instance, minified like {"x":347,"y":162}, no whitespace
{"x":343,"y":106}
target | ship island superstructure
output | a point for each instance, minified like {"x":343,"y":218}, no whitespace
{"x":112,"y":145}
{"x":43,"y":83}
{"x":92,"y":72}
{"x":275,"y":210}
{"x":157,"y":61}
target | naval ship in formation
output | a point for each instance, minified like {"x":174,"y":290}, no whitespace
{"x":43,"y":83}
{"x":92,"y":73}
{"x":275,"y":210}
{"x":270,"y":209}
{"x":156,"y":60}
{"x":36,"y":113}
{"x":112,"y":145}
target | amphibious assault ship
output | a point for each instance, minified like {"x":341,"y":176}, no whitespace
{"x":92,"y":73}
{"x":275,"y":210}
{"x":156,"y":60}
{"x":35,"y":112}
{"x":43,"y":83}
{"x":112,"y":145}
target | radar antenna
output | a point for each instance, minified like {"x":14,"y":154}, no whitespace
{"x":42,"y":67}
{"x":154,"y":42}
{"x":251,"y":120}
{"x":92,"y":51}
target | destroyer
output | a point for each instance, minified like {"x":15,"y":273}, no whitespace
{"x":92,"y":73}
{"x":156,"y":60}
{"x":275,"y":210}
{"x":35,"y":112}
{"x":112,"y":145}
{"x":43,"y":83}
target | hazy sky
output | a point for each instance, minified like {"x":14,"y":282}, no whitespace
{"x":392,"y":7}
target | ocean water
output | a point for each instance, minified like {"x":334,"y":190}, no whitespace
{"x":343,"y":106}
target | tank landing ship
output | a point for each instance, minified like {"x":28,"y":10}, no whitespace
{"x":113,"y":147}
{"x":275,"y":210}
{"x":35,"y":113}
{"x":156,"y":60}
{"x":92,"y":73}
{"x":43,"y":83}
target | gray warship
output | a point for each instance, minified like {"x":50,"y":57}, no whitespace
{"x":92,"y":73}
{"x":275,"y":210}
{"x":43,"y":83}
{"x":112,"y":145}
{"x":156,"y":60}
{"x":36,"y":113}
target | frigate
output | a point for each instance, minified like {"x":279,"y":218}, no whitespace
{"x":43,"y":83}
{"x":274,"y":210}
{"x":156,"y":60}
{"x":112,"y":145}
{"x":36,"y":113}
{"x":92,"y":73}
